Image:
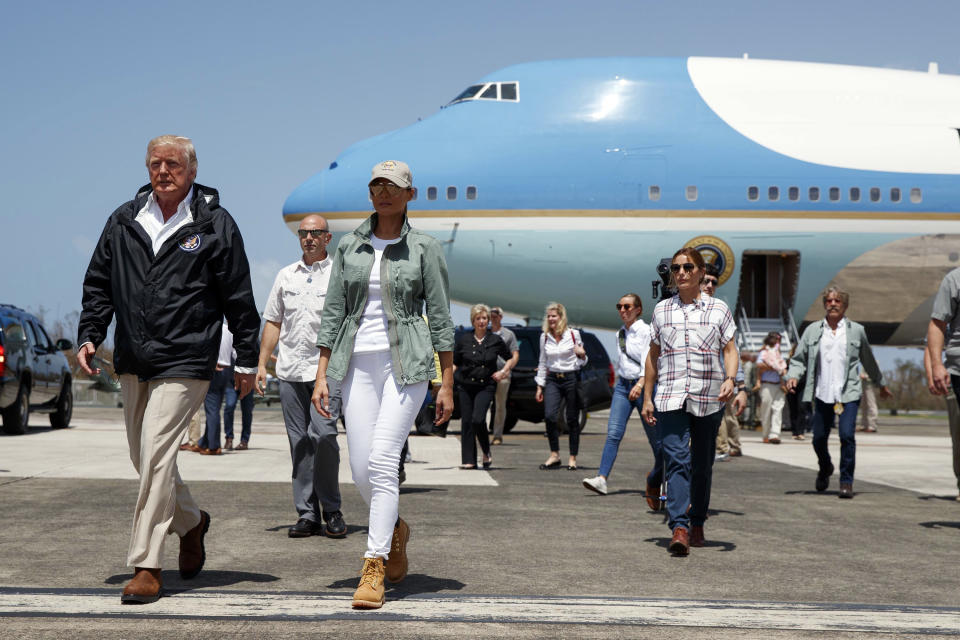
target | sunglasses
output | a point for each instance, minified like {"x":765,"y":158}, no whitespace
{"x":686,"y":266}
{"x":316,"y":233}
{"x":625,"y":307}
{"x":391,"y":190}
{"x":710,"y":281}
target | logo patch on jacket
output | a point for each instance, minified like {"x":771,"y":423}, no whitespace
{"x":190,"y":243}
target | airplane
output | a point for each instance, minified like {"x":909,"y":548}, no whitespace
{"x":571,"y":180}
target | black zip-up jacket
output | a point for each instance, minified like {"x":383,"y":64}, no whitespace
{"x":170,"y":306}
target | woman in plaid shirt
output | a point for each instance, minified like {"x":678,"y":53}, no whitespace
{"x":693,"y":361}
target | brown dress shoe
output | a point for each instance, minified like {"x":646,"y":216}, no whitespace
{"x":680,"y":543}
{"x":242,"y":446}
{"x":145,"y":587}
{"x":211,"y":452}
{"x":696,"y":536}
{"x":396,"y":565}
{"x":192,"y":552}
{"x":228,"y":445}
{"x":653,"y":497}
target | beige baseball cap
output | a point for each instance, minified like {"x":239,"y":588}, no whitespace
{"x":395,"y":171}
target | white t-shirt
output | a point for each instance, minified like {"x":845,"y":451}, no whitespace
{"x":372,"y":334}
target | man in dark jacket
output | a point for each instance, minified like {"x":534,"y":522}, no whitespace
{"x":169,"y":266}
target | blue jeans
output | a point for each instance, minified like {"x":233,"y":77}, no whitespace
{"x":688,"y":442}
{"x":823,"y":419}
{"x":246,"y":413}
{"x":620,"y":409}
{"x":211,"y":406}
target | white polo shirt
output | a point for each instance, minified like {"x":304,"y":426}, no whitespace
{"x":296,"y":302}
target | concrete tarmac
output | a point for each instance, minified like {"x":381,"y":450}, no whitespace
{"x":513,"y":552}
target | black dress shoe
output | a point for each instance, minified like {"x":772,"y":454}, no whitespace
{"x":553,"y":465}
{"x":846,"y":490}
{"x":440,"y":430}
{"x":304,"y":529}
{"x":823,"y":478}
{"x":336,"y":527}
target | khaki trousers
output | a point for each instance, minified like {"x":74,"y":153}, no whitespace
{"x":728,"y":436}
{"x":772,"y":401}
{"x":500,"y":406}
{"x":194,"y":432}
{"x":156,"y":414}
{"x":868,"y":406}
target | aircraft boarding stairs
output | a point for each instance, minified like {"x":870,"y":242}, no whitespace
{"x":752,"y":331}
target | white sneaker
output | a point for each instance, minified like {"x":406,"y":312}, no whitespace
{"x":722,"y":456}
{"x":597,"y":484}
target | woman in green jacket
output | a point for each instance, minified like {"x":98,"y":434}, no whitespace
{"x":374,"y":339}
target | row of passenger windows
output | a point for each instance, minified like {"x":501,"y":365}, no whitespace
{"x":875,"y":194}
{"x":452,"y":193}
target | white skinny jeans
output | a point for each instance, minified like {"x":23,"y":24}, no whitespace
{"x":378,"y":414}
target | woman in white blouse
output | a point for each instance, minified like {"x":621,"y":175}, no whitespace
{"x":561,"y":357}
{"x":633,"y":342}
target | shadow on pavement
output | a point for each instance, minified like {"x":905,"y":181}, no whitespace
{"x":173,"y":583}
{"x":351,"y":528}
{"x":408,"y":490}
{"x":709,"y":544}
{"x":950,"y":498}
{"x":940,"y":525}
{"x":413,"y":584}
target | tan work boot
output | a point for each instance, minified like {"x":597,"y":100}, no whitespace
{"x":144,"y":588}
{"x":396,"y":565}
{"x":369,"y":594}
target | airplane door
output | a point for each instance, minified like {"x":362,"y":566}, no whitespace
{"x":768,"y":283}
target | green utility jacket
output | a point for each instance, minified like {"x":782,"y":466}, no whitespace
{"x":412,"y":272}
{"x":806,"y":359}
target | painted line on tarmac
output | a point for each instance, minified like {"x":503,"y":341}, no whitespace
{"x":436,"y":608}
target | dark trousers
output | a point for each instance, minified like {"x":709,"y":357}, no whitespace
{"x":474,"y":403}
{"x":555,"y":390}
{"x":246,"y":413}
{"x":823,"y":419}
{"x":688,"y":443}
{"x":211,"y":407}
{"x":799,"y":413}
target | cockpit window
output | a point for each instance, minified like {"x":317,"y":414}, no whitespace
{"x":498,"y":91}
{"x":468,"y":93}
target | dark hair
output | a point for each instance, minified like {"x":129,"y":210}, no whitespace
{"x":772,"y":338}
{"x":636,"y":299}
{"x":693,"y":256}
{"x":713,"y":270}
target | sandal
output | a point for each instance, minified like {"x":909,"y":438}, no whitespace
{"x":553,"y":465}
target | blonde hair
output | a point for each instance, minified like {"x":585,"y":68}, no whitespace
{"x":181,"y":142}
{"x":477,"y":309}
{"x":561,"y":323}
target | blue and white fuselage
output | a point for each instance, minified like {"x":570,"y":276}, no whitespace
{"x":569,"y":180}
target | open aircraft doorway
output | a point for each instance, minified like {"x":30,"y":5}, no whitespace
{"x":768,"y":292}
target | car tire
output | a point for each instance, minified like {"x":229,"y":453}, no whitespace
{"x":60,"y":419}
{"x":509,"y":422}
{"x":16,"y":417}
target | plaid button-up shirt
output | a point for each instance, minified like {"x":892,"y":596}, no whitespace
{"x":691,"y":338}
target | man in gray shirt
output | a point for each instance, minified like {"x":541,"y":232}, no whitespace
{"x":503,"y":385}
{"x":944,"y":327}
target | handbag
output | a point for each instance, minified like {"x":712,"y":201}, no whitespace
{"x":592,"y":387}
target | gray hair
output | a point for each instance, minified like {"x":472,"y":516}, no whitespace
{"x":837,"y":291}
{"x":477,"y":309}
{"x":181,"y":142}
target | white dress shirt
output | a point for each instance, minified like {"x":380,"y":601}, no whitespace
{"x":151,"y":219}
{"x":833,"y":363}
{"x":637,"y":343}
{"x":227,"y":355}
{"x":296,"y":302}
{"x":558,"y":357}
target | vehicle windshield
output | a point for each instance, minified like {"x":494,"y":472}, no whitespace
{"x":494,"y":91}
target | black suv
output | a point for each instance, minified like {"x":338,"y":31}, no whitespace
{"x":522,"y":401}
{"x":34,"y":374}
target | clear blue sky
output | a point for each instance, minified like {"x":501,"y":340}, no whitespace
{"x":272,"y":92}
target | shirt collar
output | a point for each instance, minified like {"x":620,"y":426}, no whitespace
{"x":319,"y":265}
{"x":182,"y":209}
{"x":698,"y":302}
